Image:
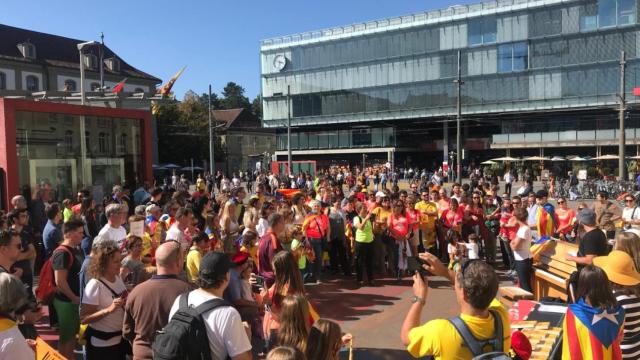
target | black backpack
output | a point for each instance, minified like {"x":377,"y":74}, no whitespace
{"x":185,"y":336}
{"x":476,"y":346}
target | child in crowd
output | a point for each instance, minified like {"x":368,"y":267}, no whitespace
{"x":472,"y":247}
{"x":325,"y":340}
{"x":249,"y":245}
{"x":456,"y":249}
{"x":67,"y":213}
{"x":301,"y":250}
{"x":285,"y":353}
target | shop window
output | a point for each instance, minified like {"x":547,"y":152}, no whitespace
{"x":3,"y":81}
{"x":32,"y":83}
{"x":103,"y":143}
{"x":122,"y":144}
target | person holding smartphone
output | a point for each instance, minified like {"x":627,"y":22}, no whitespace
{"x":102,"y":305}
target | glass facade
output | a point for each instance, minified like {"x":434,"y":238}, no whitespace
{"x":50,"y":153}
{"x":339,"y":139}
{"x":551,"y":53}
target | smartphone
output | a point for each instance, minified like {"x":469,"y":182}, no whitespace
{"x":415,"y":263}
{"x":257,"y":286}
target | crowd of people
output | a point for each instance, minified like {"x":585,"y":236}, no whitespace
{"x":128,"y":274}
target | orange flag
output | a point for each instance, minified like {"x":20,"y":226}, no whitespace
{"x":166,"y":88}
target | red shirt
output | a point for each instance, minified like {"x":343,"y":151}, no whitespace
{"x":508,"y":232}
{"x":317,"y":227}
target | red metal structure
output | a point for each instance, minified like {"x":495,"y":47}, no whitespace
{"x":8,"y":148}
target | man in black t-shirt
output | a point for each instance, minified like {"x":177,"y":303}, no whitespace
{"x":593,"y":242}
{"x":66,"y":262}
{"x":19,"y":219}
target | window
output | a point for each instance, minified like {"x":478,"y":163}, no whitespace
{"x":68,"y":141}
{"x":513,"y":57}
{"x":32,"y":82}
{"x":606,"y":13}
{"x":3,"y":81}
{"x":482,"y":31}
{"x":95,"y":86}
{"x":103,"y":143}
{"x":138,"y":90}
{"x":28,"y":50}
{"x":69,"y":85}
{"x":90,"y":61}
{"x":113,"y":64}
{"x":122,"y":143}
{"x":626,"y":12}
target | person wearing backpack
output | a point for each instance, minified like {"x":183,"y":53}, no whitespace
{"x":481,"y":331}
{"x":227,"y":335}
{"x":65,"y":262}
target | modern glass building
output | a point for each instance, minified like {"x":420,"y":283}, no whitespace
{"x":538,"y":77}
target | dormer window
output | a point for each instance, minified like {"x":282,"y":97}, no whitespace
{"x":113,"y":64}
{"x":28,"y":50}
{"x":90,"y":61}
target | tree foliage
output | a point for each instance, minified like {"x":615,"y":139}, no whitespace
{"x":183,"y":131}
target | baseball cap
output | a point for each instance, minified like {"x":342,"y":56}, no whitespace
{"x":521,"y":345}
{"x":586,"y":217}
{"x":239,"y":258}
{"x":214,"y":265}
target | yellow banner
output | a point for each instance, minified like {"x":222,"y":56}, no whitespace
{"x":44,"y":351}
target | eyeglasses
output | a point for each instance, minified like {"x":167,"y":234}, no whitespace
{"x":515,"y":202}
{"x":628,"y":200}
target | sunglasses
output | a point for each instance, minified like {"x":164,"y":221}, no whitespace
{"x":628,"y":200}
{"x":561,"y":202}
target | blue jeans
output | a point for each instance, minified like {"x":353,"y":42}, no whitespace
{"x":316,"y":268}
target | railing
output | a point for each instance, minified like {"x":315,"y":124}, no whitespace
{"x":434,"y":15}
{"x":564,"y":136}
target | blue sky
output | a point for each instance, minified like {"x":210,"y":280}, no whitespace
{"x":217,"y":40}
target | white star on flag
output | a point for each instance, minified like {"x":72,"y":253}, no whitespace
{"x":605,"y":315}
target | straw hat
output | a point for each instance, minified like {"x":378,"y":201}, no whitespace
{"x":619,"y":268}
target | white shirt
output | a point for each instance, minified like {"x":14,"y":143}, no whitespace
{"x":224,"y":327}
{"x":472,"y":251}
{"x":119,"y":234}
{"x":508,"y":178}
{"x":628,"y":214}
{"x":262,"y":227}
{"x":14,"y":346}
{"x":95,"y":293}
{"x":524,"y":232}
{"x":175,"y":233}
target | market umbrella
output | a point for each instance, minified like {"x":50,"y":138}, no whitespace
{"x":606,"y":157}
{"x":192,"y":168}
{"x":637,"y":157}
{"x":578,"y":158}
{"x":171,"y":166}
{"x":488,"y":162}
{"x":505,"y":158}
{"x":558,"y":158}
{"x":158,"y":167}
{"x":535,"y":158}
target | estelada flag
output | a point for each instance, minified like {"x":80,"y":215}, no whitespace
{"x":166,"y":88}
{"x":592,"y":334}
{"x":119,"y":86}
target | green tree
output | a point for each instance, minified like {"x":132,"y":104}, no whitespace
{"x":256,"y":107}
{"x":233,"y":97}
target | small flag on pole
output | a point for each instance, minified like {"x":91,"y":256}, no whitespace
{"x":118,"y":88}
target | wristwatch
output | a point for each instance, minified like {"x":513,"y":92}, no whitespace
{"x":416,"y":299}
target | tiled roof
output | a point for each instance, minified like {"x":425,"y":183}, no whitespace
{"x":227,"y":116}
{"x":59,"y":51}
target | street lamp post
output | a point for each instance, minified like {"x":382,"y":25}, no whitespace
{"x":289,"y":162}
{"x":83,"y":142}
{"x":211,"y":143}
{"x":459,"y":83}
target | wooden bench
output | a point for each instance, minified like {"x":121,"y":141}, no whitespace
{"x":510,"y":294}
{"x":551,"y":272}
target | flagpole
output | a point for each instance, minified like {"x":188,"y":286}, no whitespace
{"x":211,"y":143}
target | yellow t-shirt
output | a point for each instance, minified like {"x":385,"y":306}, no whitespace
{"x":146,"y":244}
{"x":381,"y":216}
{"x":193,"y":263}
{"x":427,"y":222}
{"x":441,"y":339}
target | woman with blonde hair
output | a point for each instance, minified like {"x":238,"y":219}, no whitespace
{"x":229,"y":228}
{"x":294,"y":322}
{"x":251,"y":215}
{"x":102,"y":305}
{"x":285,"y":353}
{"x":325,"y":340}
{"x":629,"y":242}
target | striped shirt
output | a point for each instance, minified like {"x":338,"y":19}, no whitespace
{"x":630,"y":344}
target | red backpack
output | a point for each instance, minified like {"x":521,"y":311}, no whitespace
{"x":47,"y":285}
